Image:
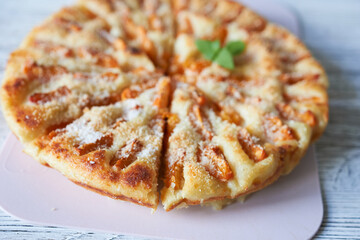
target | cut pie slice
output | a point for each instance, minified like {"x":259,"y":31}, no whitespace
{"x":204,"y":159}
{"x":101,"y":129}
{"x":114,"y":149}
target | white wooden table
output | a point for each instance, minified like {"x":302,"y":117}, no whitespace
{"x":331,"y":28}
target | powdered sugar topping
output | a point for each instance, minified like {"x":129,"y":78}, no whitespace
{"x":83,"y":131}
{"x":132,"y":109}
{"x":148,"y":152}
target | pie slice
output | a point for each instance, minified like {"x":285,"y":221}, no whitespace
{"x":101,"y":129}
{"x":114,"y":149}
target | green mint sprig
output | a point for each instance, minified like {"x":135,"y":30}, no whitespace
{"x":224,"y":56}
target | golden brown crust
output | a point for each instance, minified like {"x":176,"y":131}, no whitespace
{"x":269,"y":181}
{"x":119,"y":197}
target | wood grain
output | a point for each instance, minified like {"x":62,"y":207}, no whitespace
{"x":331,"y":30}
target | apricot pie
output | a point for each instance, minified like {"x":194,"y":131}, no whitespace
{"x":117,"y":96}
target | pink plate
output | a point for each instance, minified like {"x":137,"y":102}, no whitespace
{"x":289,"y":209}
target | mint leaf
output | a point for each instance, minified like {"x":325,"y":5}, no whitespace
{"x":213,"y":51}
{"x":235,"y":47}
{"x":208,"y":48}
{"x":225,"y":59}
